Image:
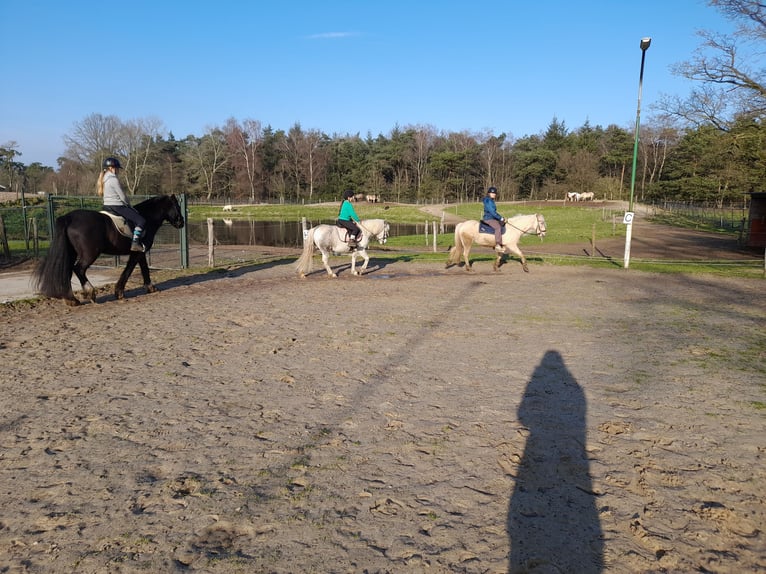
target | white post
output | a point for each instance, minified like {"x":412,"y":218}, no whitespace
{"x":210,"y":243}
{"x":434,"y":236}
{"x":628,"y":234}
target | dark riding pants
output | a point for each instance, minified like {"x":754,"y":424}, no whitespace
{"x":351,"y":227}
{"x":495,"y":224}
{"x":131,"y":215}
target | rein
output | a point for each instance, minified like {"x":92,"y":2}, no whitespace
{"x":526,"y":231}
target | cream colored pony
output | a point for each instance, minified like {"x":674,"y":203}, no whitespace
{"x":333,"y":239}
{"x":467,"y":233}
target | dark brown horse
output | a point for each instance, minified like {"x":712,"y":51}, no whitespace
{"x":80,"y":236}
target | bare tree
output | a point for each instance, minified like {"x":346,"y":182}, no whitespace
{"x":93,"y":138}
{"x":316,"y":159}
{"x":491,"y":146}
{"x":136,"y":140}
{"x":423,"y":141}
{"x":730,"y":84}
{"x":244,"y":141}
{"x":206,"y":157}
{"x":292,"y":147}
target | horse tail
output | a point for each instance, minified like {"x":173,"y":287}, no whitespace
{"x":305,"y":261}
{"x":457,"y":249}
{"x":53,"y":275}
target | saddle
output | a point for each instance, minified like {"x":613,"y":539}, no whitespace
{"x":342,"y":232}
{"x":484,"y":228}
{"x":120,"y":223}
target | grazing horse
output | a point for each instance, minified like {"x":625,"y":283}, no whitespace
{"x":572,"y":196}
{"x":468,"y":232}
{"x":587,"y":196}
{"x":334,"y":239}
{"x":80,"y":236}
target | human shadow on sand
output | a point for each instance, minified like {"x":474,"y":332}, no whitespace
{"x":553,"y":522}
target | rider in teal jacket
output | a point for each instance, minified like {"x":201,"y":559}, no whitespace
{"x":347,"y":219}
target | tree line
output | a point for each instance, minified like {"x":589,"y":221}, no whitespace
{"x":709,"y":148}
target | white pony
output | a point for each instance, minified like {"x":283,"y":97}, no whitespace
{"x":572,"y":196}
{"x":467,"y":233}
{"x":334,"y":239}
{"x":588,"y":195}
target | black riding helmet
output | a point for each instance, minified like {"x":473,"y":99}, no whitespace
{"x":348,"y":194}
{"x":112,"y":162}
{"x":492,"y":190}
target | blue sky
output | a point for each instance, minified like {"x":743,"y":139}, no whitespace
{"x":353,"y":66}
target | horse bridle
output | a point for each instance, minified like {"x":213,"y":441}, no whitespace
{"x":540,"y":228}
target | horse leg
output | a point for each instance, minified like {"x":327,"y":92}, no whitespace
{"x":88,"y":291}
{"x":366,"y":258}
{"x":466,"y":252}
{"x":119,"y":287}
{"x":326,"y":263}
{"x":144,"y":266}
{"x":516,"y":251}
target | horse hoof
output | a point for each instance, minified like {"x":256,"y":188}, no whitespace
{"x":151,"y":289}
{"x":72,"y":302}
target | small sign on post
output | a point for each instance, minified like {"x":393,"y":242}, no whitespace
{"x":628,"y":218}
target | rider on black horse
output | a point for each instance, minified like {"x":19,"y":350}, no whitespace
{"x":492,"y":218}
{"x":117,"y":202}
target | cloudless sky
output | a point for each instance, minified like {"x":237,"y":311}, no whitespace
{"x":338,"y":66}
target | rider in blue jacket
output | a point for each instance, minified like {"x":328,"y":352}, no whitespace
{"x":492,"y":218}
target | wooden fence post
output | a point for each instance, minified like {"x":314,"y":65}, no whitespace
{"x":4,"y":239}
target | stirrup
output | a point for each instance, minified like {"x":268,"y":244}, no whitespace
{"x":136,"y":246}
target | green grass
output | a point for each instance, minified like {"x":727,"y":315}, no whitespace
{"x":565,"y":224}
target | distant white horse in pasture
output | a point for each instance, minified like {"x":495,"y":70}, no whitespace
{"x":334,"y":239}
{"x":228,"y":207}
{"x":572,"y":196}
{"x":372,"y":198}
{"x":587,"y":196}
{"x":469,"y":232}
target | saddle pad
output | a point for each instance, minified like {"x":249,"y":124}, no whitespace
{"x":120,"y":223}
{"x":484,"y":228}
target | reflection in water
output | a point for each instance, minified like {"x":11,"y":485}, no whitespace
{"x":553,"y":521}
{"x":275,"y":233}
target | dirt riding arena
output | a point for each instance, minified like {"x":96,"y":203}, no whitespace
{"x":415,"y":419}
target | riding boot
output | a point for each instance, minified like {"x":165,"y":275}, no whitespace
{"x":499,"y":248}
{"x":136,"y":244}
{"x":352,"y":244}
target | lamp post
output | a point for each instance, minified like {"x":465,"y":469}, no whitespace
{"x":645,"y":42}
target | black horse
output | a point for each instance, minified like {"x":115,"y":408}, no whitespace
{"x":82,"y":235}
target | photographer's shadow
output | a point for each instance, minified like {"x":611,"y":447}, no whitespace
{"x":553,"y":522}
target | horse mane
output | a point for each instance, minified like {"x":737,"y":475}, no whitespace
{"x":147,"y":205}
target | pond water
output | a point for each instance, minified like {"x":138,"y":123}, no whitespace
{"x":275,"y":233}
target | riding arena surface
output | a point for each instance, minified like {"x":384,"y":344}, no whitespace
{"x":415,"y":419}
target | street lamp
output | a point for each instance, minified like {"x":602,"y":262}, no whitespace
{"x":645,"y":42}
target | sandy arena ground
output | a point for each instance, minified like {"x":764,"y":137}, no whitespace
{"x":416,"y":419}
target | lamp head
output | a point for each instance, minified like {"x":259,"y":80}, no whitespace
{"x":645,"y":43}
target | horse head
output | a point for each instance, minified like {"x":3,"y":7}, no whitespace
{"x":382,"y":237}
{"x":540,"y":228}
{"x":174,"y":215}
{"x":377,"y":228}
